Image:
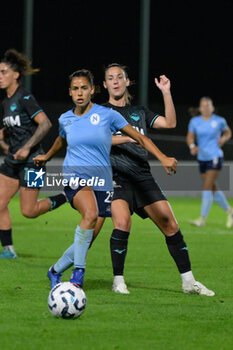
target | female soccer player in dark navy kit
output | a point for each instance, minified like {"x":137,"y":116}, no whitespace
{"x":26,"y":124}
{"x":210,"y":132}
{"x":87,"y":130}
{"x":134,"y":187}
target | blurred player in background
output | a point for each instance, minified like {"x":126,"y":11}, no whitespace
{"x":86,"y":130}
{"x":207,"y":133}
{"x":25,"y":125}
{"x":135,"y":189}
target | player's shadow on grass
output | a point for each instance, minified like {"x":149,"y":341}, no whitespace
{"x":97,"y":284}
{"x":138,"y":286}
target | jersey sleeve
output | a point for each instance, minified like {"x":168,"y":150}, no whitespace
{"x":191,"y":126}
{"x":62,"y":132}
{"x":150,"y":117}
{"x":223,"y":124}
{"x":117,"y":121}
{"x":30,"y":105}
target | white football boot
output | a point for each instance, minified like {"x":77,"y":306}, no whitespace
{"x":197,"y":288}
{"x":119,"y":285}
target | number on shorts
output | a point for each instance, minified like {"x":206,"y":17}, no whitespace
{"x":108,"y":199}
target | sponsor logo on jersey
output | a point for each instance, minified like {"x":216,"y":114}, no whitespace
{"x":13,"y":107}
{"x":12,"y":121}
{"x":135,"y":117}
{"x":95,"y":119}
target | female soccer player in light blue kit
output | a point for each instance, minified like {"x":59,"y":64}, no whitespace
{"x":87,"y":130}
{"x":210,"y":133}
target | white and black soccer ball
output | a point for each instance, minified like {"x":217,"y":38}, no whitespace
{"x":67,"y":300}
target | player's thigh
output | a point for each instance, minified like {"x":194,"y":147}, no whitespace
{"x":121,"y":215}
{"x":161,"y":214}
{"x":8,"y":188}
{"x":210,"y":179}
{"x":85,"y":202}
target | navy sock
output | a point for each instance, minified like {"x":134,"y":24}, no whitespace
{"x":118,"y":248}
{"x":6,"y":237}
{"x":179,"y":251}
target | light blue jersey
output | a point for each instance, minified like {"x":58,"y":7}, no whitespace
{"x":89,"y":140}
{"x":207,"y":134}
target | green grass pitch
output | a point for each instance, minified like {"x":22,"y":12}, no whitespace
{"x":156,"y":315}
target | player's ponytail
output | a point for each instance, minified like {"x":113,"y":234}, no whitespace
{"x":128,"y":96}
{"x":19,"y":63}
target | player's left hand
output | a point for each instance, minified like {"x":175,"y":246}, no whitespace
{"x":163,"y":83}
{"x":22,"y":153}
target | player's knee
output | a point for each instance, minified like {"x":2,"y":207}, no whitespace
{"x":29,"y":212}
{"x":90,"y":217}
{"x":169,"y":226}
{"x":3,"y":204}
{"x":122,"y":223}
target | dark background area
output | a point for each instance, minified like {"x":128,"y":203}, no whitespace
{"x":191,"y":42}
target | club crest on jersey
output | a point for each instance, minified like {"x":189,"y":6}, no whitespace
{"x":135,"y":117}
{"x":13,"y":107}
{"x":214,"y":124}
{"x":12,"y":121}
{"x":95,"y":119}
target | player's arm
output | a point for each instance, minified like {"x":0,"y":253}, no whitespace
{"x":226,"y":136}
{"x":58,"y":144}
{"x":118,"y":140}
{"x":4,"y":146}
{"x":190,"y":139}
{"x":169,"y":164}
{"x":44,"y":125}
{"x":169,"y":121}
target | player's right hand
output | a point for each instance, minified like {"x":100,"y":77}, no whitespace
{"x":40,"y":160}
{"x":169,"y":165}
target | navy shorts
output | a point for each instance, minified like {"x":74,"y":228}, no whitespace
{"x":214,"y":164}
{"x":103,"y":199}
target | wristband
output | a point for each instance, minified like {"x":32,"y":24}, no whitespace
{"x":192,"y":146}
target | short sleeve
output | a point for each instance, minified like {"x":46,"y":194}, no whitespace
{"x":117,"y":121}
{"x":191,"y":126}
{"x":62,"y":132}
{"x":30,"y":105}
{"x":150,"y":117}
{"x":223,"y":124}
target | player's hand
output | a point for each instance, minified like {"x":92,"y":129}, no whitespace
{"x":169,"y":165}
{"x":40,"y":160}
{"x":194,"y":151}
{"x":163,"y":83}
{"x":129,"y":139}
{"x":22,"y":153}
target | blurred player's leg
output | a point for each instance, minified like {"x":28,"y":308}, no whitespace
{"x":119,"y":243}
{"x":8,"y":188}
{"x":31,"y":207}
{"x":161,"y":214}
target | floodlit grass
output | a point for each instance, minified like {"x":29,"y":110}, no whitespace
{"x":156,"y":315}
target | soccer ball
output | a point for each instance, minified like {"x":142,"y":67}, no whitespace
{"x":67,"y":300}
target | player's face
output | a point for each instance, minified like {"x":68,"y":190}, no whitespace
{"x":7,"y":76}
{"x":81,"y":91}
{"x":206,"y":107}
{"x":116,"y":82}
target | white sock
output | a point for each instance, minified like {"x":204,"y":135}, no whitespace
{"x":187,"y":277}
{"x":10,"y":248}
{"x":119,"y":279}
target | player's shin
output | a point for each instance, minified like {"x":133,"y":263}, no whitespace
{"x":179,"y":251}
{"x":118,"y":248}
{"x":82,"y":242}
{"x":65,"y":261}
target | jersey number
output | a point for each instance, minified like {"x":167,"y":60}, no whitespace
{"x":108,"y":199}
